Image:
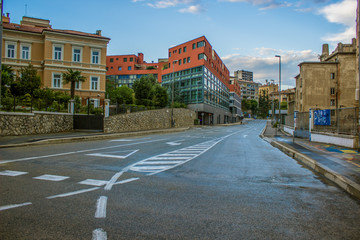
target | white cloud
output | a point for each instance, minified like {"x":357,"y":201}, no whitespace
{"x":343,"y":13}
{"x":267,"y":4}
{"x":192,"y":9}
{"x":265,"y":65}
{"x":169,"y":3}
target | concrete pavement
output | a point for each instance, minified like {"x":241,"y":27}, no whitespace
{"x":338,"y":164}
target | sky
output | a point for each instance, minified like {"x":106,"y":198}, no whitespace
{"x":246,"y":34}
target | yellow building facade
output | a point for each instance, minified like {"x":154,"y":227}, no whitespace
{"x":53,"y":51}
{"x":330,"y":83}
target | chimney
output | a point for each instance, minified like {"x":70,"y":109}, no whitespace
{"x":98,"y":32}
{"x":325,"y":49}
{"x":6,"y":19}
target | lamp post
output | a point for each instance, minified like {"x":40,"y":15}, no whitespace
{"x":278,"y":56}
{"x":272,"y":102}
{"x":172,"y":96}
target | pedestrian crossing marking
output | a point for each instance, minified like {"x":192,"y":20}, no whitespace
{"x":93,"y":182}
{"x":11,"y":173}
{"x":49,"y":177}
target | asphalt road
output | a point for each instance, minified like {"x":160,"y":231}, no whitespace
{"x":205,"y":183}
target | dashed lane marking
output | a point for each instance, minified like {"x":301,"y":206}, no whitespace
{"x":49,"y":177}
{"x":93,"y":182}
{"x":12,"y":173}
{"x":14,"y":206}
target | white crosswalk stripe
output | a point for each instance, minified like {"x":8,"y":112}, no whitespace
{"x":49,"y":177}
{"x":12,"y":173}
{"x":169,"y":160}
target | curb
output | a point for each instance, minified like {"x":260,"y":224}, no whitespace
{"x":346,"y":184}
{"x":94,"y":137}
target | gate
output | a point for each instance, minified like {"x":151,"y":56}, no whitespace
{"x":89,"y":122}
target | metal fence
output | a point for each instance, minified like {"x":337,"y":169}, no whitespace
{"x":342,"y":120}
{"x":289,"y":120}
{"x":122,"y":109}
{"x":302,"y":121}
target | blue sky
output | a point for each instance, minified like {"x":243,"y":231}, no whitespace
{"x":246,"y":34}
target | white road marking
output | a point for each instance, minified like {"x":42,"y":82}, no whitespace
{"x":76,"y":152}
{"x":127,"y":181}
{"x":99,"y":234}
{"x":73,"y":193}
{"x":159,"y":162}
{"x":94,"y":182}
{"x":101,"y":207}
{"x":53,"y":178}
{"x":173,"y":143}
{"x":116,"y":155}
{"x":112,"y":181}
{"x":121,"y":140}
{"x":12,"y":173}
{"x":14,"y":206}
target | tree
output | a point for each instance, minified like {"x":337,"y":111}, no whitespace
{"x":264,"y":104}
{"x":7,"y":77}
{"x":143,"y":89}
{"x":28,"y":81}
{"x":123,"y":95}
{"x":160,"y":96}
{"x":73,"y":77}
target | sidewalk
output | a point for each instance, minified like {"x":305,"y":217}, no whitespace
{"x":27,"y":140}
{"x":338,"y":164}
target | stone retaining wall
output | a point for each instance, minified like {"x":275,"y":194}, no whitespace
{"x":14,"y":124}
{"x":149,"y":120}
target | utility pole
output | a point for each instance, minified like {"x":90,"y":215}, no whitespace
{"x":1,"y":31}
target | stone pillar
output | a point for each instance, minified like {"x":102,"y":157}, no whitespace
{"x":311,"y":122}
{"x":107,"y":107}
{"x":72,"y":106}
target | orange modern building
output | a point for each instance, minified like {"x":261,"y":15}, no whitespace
{"x":201,"y":79}
{"x":125,"y":69}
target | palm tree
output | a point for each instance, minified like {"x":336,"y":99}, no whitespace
{"x":73,"y":77}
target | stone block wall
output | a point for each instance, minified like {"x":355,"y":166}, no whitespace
{"x":149,"y":120}
{"x":15,"y":124}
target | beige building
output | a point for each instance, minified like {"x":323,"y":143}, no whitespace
{"x":330,"y":83}
{"x":269,"y":89}
{"x":53,"y":51}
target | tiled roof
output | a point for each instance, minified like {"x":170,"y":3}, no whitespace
{"x":40,"y":30}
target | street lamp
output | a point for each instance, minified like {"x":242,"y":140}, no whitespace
{"x":278,"y":56}
{"x":172,"y":96}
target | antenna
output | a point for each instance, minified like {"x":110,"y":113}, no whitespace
{"x":25,"y":9}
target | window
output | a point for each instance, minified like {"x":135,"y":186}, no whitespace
{"x":332,"y":102}
{"x":131,"y":59}
{"x":11,"y":50}
{"x":179,"y":62}
{"x":58,"y":53}
{"x":76,"y":55}
{"x":25,"y":52}
{"x":332,"y":91}
{"x":95,"y":57}
{"x":194,"y":46}
{"x":111,"y":60}
{"x":129,"y":68}
{"x":119,"y":68}
{"x":184,"y":49}
{"x":184,"y":60}
{"x":56,"y":82}
{"x":202,"y":56}
{"x":179,"y":50}
{"x":201,"y":44}
{"x":77,"y":85}
{"x":169,"y":54}
{"x":125,"y":59}
{"x":332,"y":75}
{"x":188,"y":59}
{"x":94,"y":83}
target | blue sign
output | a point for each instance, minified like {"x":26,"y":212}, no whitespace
{"x":322,"y":117}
